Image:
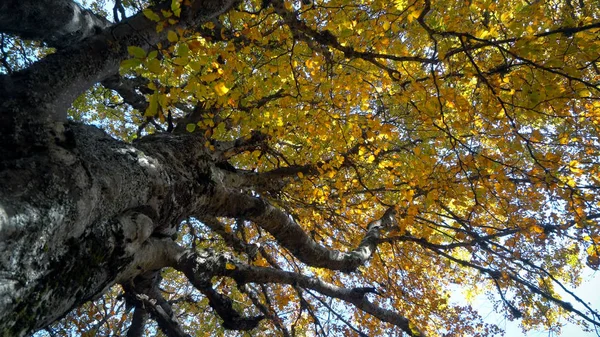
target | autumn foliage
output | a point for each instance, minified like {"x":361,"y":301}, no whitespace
{"x":477,"y":122}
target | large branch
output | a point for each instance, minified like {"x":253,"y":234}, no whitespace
{"x":58,"y":23}
{"x":41,"y":94}
{"x":143,"y":292}
{"x":206,"y":267}
{"x":128,"y":89}
{"x":291,"y":235}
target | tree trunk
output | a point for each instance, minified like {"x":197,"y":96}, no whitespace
{"x":73,"y":216}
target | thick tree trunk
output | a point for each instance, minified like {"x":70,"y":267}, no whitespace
{"x":73,"y":216}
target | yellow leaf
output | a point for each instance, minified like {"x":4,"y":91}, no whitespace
{"x":386,"y":25}
{"x":229,"y":266}
{"x":413,"y":15}
{"x":300,"y":175}
{"x":574,"y":167}
{"x":221,"y":89}
{"x":190,"y":127}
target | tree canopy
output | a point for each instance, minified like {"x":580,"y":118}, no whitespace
{"x":380,"y":158}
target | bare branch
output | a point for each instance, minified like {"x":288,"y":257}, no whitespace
{"x":199,"y":268}
{"x":267,"y":311}
{"x":138,"y":322}
{"x":128,"y":88}
{"x":161,"y":312}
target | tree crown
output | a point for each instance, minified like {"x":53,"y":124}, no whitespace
{"x":455,"y":143}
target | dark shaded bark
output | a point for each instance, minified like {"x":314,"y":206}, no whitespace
{"x":32,"y":99}
{"x":75,"y":204}
{"x":59,"y":23}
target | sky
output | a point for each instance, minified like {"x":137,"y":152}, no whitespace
{"x":589,"y":290}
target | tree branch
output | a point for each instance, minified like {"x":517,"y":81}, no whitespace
{"x":161,"y":312}
{"x":58,"y":23}
{"x":266,"y":310}
{"x":291,"y":235}
{"x":33,"y":99}
{"x":198,"y":266}
{"x":127,"y":89}
{"x":138,"y":322}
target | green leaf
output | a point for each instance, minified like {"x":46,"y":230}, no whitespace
{"x":152,"y":55}
{"x":183,"y":50}
{"x":154,"y":66}
{"x":181,"y":61}
{"x":172,"y":36}
{"x":151,"y":15}
{"x":130,"y":64}
{"x":176,"y":7}
{"x":190,"y":127}
{"x":152,"y":106}
{"x":136,"y":52}
{"x":195,"y":65}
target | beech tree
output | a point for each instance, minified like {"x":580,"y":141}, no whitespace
{"x":294,"y":168}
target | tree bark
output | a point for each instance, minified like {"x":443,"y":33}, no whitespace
{"x":59,"y":23}
{"x":73,"y":216}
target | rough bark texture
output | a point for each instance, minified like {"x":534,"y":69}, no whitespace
{"x":59,"y":23}
{"x":32,"y":99}
{"x":74,"y":215}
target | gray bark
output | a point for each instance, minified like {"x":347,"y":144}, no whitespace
{"x":74,"y":216}
{"x":59,"y":23}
